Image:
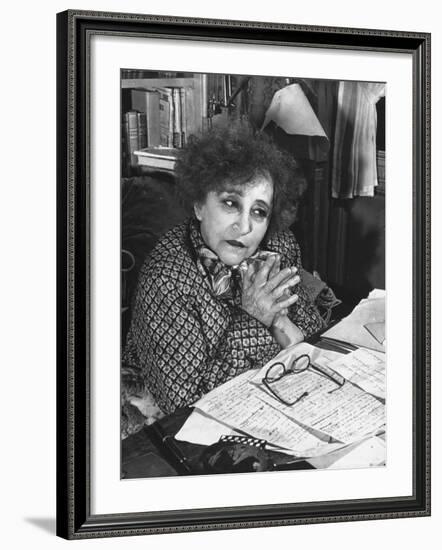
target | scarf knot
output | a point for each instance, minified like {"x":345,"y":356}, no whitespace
{"x":225,"y":281}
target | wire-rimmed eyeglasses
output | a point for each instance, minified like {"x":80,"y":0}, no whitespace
{"x":279,"y":370}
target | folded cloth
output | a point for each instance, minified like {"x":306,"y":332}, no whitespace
{"x":138,"y":406}
{"x":320,"y":293}
{"x":229,"y":457}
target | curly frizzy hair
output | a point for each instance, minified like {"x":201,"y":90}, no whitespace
{"x":237,"y":154}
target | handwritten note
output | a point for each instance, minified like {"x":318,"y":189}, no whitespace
{"x":325,"y":411}
{"x":363,"y":367}
{"x":345,"y":413}
{"x":237,"y":404}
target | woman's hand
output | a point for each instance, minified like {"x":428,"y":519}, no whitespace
{"x":285,"y":332}
{"x":264,"y":291}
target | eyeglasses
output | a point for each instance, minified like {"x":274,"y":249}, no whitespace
{"x":277,"y":371}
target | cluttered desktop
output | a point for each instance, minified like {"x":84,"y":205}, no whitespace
{"x":319,"y":404}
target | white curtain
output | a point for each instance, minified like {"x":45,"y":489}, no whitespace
{"x":354,"y":155}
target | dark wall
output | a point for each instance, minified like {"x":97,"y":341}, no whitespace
{"x":365,"y":262}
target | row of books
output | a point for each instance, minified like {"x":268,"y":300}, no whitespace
{"x":134,"y":136}
{"x":380,"y":161}
{"x":158,"y":118}
{"x":143,"y":73}
{"x":135,"y":150}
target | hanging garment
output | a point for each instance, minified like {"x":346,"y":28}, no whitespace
{"x":354,"y":157}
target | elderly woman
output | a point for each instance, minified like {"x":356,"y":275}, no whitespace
{"x":221,"y":292}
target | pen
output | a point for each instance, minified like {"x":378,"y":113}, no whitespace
{"x":173,"y":453}
{"x":339,"y":344}
{"x":332,"y":374}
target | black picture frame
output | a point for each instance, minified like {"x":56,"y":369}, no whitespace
{"x":74,"y":518}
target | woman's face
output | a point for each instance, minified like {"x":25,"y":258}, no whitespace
{"x":235,"y":219}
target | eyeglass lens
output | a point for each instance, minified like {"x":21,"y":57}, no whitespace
{"x":300,"y":363}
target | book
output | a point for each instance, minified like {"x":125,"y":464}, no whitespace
{"x":176,"y":125}
{"x":142,"y":130}
{"x":380,"y":164}
{"x":131,"y":135}
{"x":183,"y":112}
{"x":161,"y":158}
{"x":125,"y":161}
{"x":166,"y":116}
{"x":148,"y":101}
{"x":191,"y":112}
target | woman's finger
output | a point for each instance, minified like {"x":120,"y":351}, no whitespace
{"x":286,"y":285}
{"x":264,"y":270}
{"x":281,"y":277}
{"x":276,"y":267}
{"x":249,"y":276}
{"x":285,"y":294}
{"x":284,"y":304}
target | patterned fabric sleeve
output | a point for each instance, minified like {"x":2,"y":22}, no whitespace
{"x":180,"y":360}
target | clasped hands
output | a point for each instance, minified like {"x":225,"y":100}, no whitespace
{"x":266,"y":293}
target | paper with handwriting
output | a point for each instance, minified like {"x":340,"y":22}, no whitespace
{"x":363,"y":367}
{"x":238,"y":405}
{"x":327,"y":412}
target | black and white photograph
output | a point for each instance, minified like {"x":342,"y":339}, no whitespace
{"x":243,"y":274}
{"x":221,"y":266}
{"x":253,"y":327}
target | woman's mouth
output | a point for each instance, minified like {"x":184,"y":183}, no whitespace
{"x":236,"y":244}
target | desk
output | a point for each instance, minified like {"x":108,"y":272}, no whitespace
{"x":144,"y":455}
{"x":141,"y":455}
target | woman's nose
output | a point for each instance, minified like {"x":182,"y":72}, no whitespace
{"x":243,"y":224}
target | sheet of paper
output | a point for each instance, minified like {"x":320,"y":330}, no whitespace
{"x":368,"y":453}
{"x":352,"y":328}
{"x":377,"y":330}
{"x":203,"y":430}
{"x":237,"y":405}
{"x":376,"y":293}
{"x":286,"y":356}
{"x":264,"y":421}
{"x":346,"y":413}
{"x":363,"y":367}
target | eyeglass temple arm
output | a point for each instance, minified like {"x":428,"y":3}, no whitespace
{"x":327,"y":371}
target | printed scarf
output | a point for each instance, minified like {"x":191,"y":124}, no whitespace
{"x":225,"y":281}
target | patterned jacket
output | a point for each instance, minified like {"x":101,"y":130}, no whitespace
{"x":186,"y":341}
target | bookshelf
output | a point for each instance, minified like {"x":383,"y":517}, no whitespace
{"x":138,"y":154}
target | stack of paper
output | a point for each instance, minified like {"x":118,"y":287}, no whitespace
{"x":365,"y":326}
{"x":326,"y":414}
{"x":365,"y":368}
{"x":343,"y":414}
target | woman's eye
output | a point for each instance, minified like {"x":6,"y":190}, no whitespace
{"x":229,"y":203}
{"x":260,"y":213}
